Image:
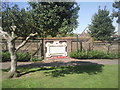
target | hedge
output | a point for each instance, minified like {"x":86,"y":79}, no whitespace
{"x":21,"y":56}
{"x":93,"y":54}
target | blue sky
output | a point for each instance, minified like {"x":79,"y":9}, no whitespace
{"x":87,"y":10}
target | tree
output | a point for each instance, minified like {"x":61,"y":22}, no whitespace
{"x":117,"y":13}
{"x":22,"y":19}
{"x":101,"y":27}
{"x":10,"y":16}
{"x":59,"y":19}
{"x":54,"y":18}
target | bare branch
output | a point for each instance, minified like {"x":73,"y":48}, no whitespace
{"x":13,"y":34}
{"x":5,"y":34}
{"x":25,"y":41}
{"x":37,"y":49}
{"x":13,"y":31}
{"x":14,"y":38}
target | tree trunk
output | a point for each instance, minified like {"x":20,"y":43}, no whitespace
{"x":13,"y":71}
{"x":108,"y":51}
{"x":109,"y":45}
{"x":12,"y":50}
{"x":81,"y":47}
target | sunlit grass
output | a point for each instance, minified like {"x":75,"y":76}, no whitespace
{"x":84,"y":76}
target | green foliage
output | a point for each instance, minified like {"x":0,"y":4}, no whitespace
{"x":34,"y":59}
{"x":20,"y":17}
{"x":97,"y":54}
{"x":21,"y":56}
{"x":45,"y":18}
{"x":101,"y":27}
{"x":117,"y":13}
{"x":93,"y":55}
{"x":5,"y":56}
{"x":114,"y":55}
{"x":54,"y":18}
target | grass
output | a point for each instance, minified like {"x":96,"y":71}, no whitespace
{"x":84,"y":76}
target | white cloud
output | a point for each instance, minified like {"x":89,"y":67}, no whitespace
{"x":117,"y":29}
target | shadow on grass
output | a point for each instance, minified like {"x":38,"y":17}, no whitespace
{"x":78,"y":69}
{"x":58,"y":68}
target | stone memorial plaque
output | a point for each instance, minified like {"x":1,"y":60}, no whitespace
{"x":56,"y":49}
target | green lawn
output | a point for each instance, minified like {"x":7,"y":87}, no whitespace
{"x":84,"y":76}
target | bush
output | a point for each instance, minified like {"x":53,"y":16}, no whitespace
{"x":97,"y":55}
{"x":34,"y":59}
{"x":93,"y":55}
{"x":5,"y":56}
{"x":114,"y":55}
{"x":20,"y":56}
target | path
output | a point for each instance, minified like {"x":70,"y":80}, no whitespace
{"x":66,"y":61}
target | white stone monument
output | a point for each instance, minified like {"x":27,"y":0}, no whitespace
{"x":56,"y":49}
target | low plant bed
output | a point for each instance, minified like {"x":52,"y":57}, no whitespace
{"x":93,"y":55}
{"x":21,"y":56}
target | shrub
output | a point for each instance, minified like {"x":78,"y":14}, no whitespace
{"x":83,"y":55}
{"x":74,"y":55}
{"x":97,"y":55}
{"x":20,"y":56}
{"x":34,"y":59}
{"x":114,"y":55}
{"x":5,"y":56}
{"x":93,"y":54}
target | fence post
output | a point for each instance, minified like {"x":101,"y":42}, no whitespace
{"x":77,"y":42}
{"x":42,"y":48}
{"x":37,"y":47}
{"x":89,"y":47}
{"x":81,"y":46}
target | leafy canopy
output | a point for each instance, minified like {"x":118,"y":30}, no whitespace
{"x":54,"y":18}
{"x":101,"y":27}
{"x":22,"y":20}
{"x":117,"y":13}
{"x":45,"y":18}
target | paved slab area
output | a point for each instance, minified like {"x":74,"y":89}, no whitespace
{"x":98,"y":61}
{"x":61,"y":62}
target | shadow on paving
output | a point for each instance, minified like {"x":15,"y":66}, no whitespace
{"x":58,"y":68}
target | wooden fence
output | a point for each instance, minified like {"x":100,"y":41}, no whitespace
{"x":37,"y":46}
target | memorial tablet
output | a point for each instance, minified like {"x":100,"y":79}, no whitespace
{"x":56,"y":49}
